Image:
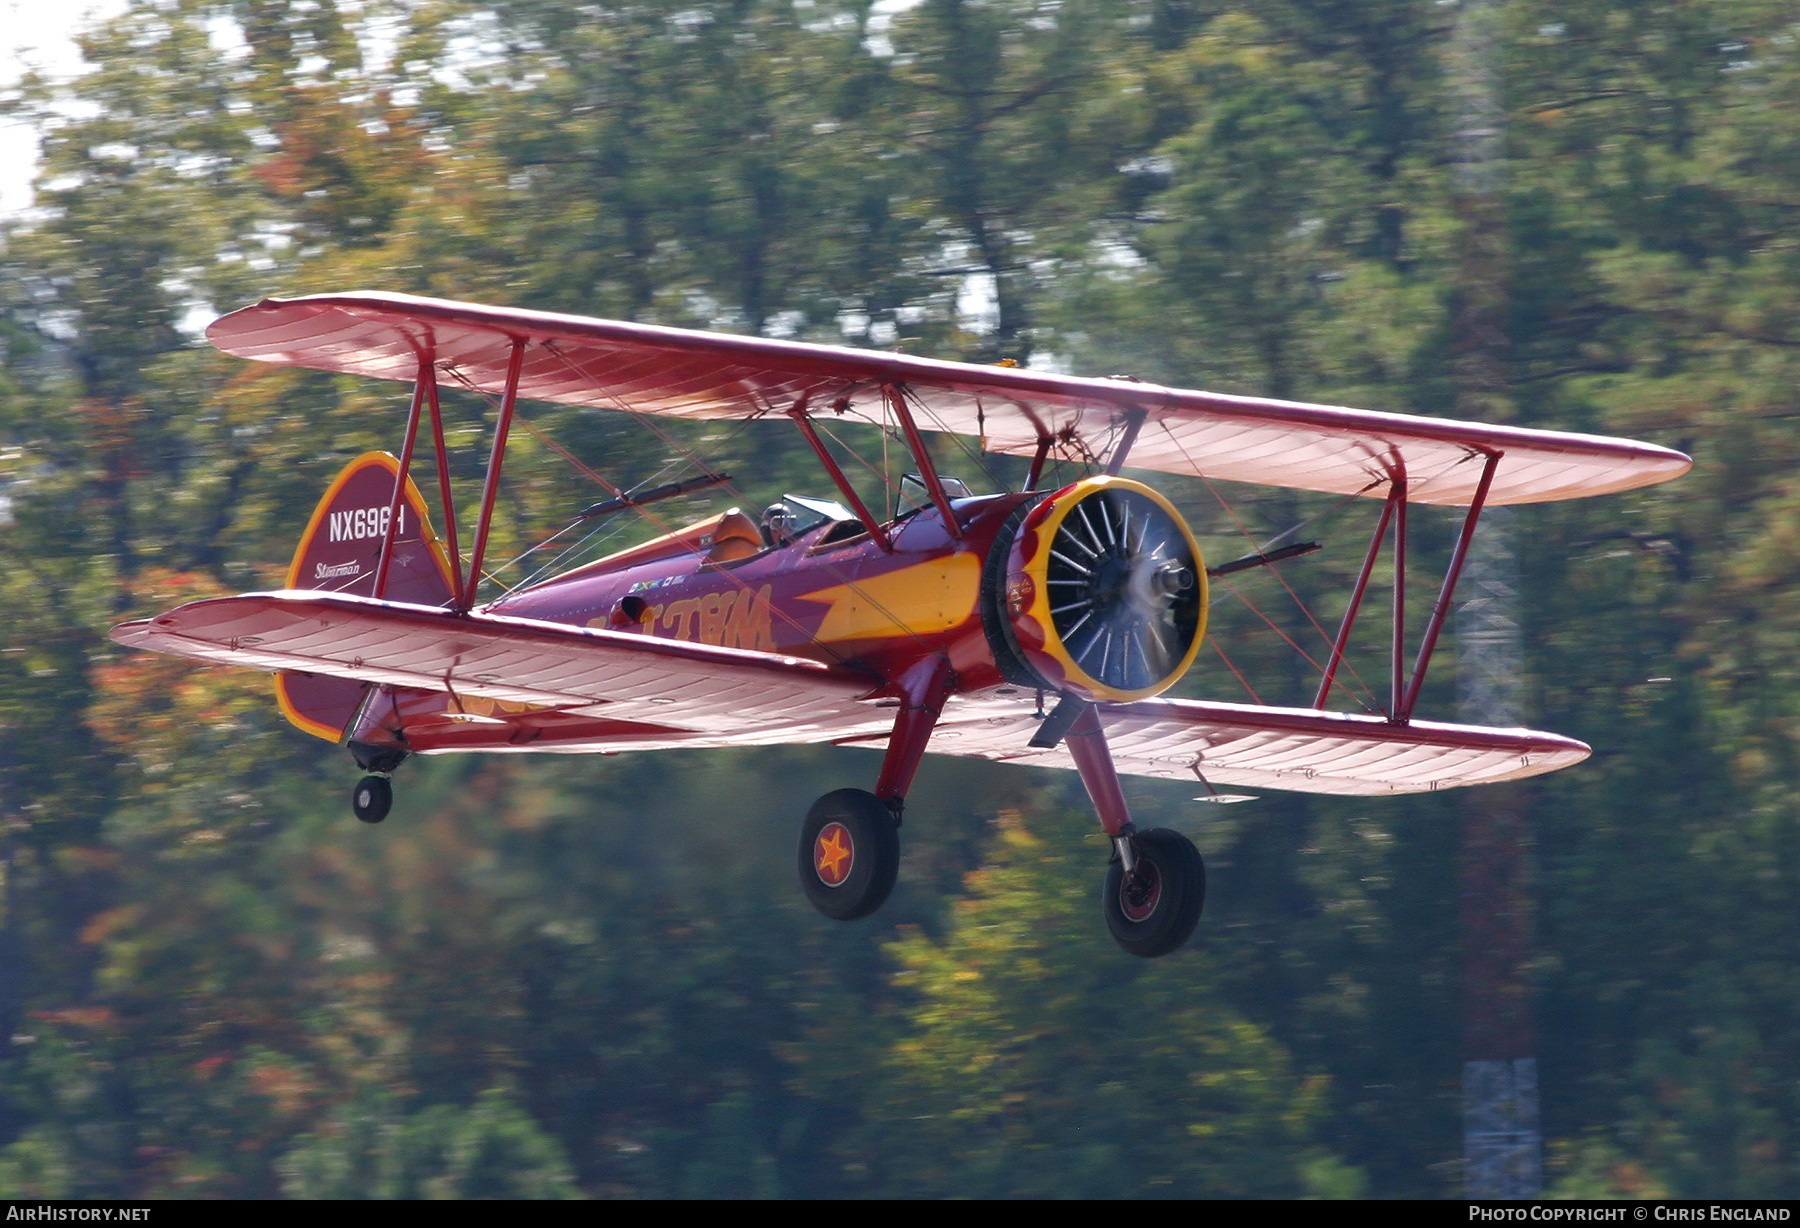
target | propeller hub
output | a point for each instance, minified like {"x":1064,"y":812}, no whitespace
{"x":1157,"y":583}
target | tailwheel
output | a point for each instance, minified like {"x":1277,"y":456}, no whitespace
{"x":372,"y":798}
{"x":1152,"y":910}
{"x":849,"y":854}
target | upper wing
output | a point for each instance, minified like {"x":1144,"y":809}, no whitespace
{"x":1302,"y":750}
{"x":727,"y":693}
{"x":647,"y":369}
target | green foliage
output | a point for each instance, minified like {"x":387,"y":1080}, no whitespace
{"x":1027,"y":1061}
{"x":37,"y":1165}
{"x":368,"y":1149}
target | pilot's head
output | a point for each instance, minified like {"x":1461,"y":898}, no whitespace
{"x":778,"y":524}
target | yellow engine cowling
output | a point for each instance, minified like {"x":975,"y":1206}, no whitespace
{"x":1097,"y":589}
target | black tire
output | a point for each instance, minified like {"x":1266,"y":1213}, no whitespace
{"x":863,"y":853}
{"x":1154,"y":911}
{"x":372,"y":798}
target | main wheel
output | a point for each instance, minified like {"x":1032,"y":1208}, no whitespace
{"x":372,"y":798}
{"x":849,"y":854}
{"x":1152,"y":910}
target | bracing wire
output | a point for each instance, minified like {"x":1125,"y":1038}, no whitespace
{"x":662,"y":525}
{"x":960,"y":440}
{"x":1355,"y":679}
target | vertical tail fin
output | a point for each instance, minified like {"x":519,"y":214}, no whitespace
{"x":339,"y":553}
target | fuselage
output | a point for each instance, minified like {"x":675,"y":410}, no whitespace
{"x":831,"y":593}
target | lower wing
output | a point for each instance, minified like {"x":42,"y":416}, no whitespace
{"x":549,"y":687}
{"x":1298,"y":749}
{"x":546,"y":668}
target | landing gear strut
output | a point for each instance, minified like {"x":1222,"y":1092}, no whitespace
{"x":850,"y":844}
{"x":1156,"y":884}
{"x":1152,"y":908}
{"x":849,"y":854}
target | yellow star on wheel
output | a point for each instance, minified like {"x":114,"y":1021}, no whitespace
{"x":832,"y":851}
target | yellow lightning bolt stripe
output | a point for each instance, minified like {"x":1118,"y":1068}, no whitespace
{"x":934,"y":595}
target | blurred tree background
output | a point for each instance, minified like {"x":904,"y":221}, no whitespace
{"x":594,"y":977}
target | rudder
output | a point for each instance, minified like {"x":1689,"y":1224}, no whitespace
{"x":339,"y":552}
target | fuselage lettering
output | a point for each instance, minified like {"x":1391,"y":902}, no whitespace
{"x":736,"y":619}
{"x":361,"y":523}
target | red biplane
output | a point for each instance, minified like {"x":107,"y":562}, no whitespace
{"x":1034,"y":626}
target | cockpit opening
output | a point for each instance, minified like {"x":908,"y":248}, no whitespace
{"x":915,"y":496}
